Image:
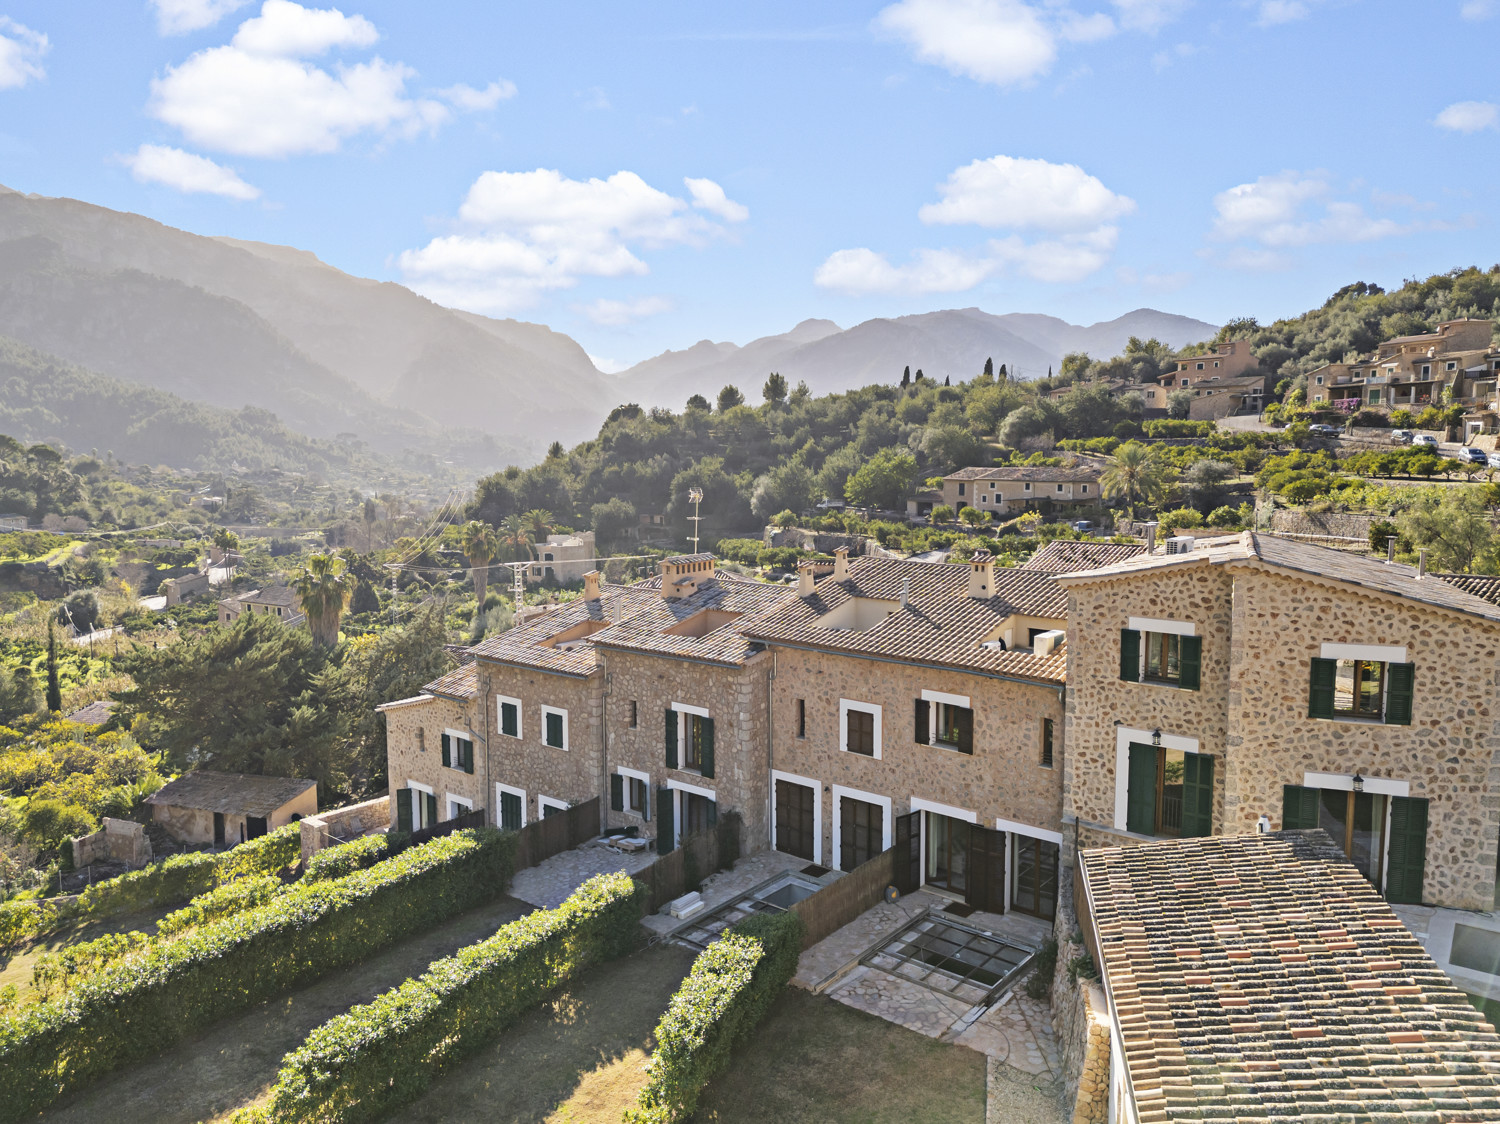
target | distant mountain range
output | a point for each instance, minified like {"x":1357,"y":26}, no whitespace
{"x":227,"y":324}
{"x":952,"y":343}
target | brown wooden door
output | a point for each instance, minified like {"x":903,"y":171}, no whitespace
{"x":986,"y":884}
{"x":861,"y":831}
{"x":794,"y":819}
{"x":908,"y":848}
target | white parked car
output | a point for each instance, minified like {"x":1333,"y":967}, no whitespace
{"x":1425,"y":439}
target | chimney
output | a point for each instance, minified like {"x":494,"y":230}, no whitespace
{"x":805,"y":579}
{"x":1151,"y":538}
{"x":841,"y":564}
{"x":905,"y":592}
{"x":1422,"y":563}
{"x":591,"y":586}
{"x":1390,"y":548}
{"x":982,"y":575}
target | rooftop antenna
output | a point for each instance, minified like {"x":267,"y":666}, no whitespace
{"x":696,"y":495}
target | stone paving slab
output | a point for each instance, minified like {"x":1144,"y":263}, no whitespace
{"x":899,"y":1001}
{"x":719,"y":888}
{"x":548,"y":884}
{"x":1014,"y":1097}
{"x":1018,"y":1031}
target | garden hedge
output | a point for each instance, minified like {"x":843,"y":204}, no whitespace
{"x":731,"y":987}
{"x":224,"y":901}
{"x":367,"y":1062}
{"x":146,"y":1004}
{"x":346,"y":858}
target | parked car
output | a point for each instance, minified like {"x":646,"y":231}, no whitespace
{"x":1493,"y":460}
{"x":1086,"y":526}
{"x":1425,"y":439}
{"x":1402,"y":436}
{"x":1325,"y":430}
{"x":1474,"y":456}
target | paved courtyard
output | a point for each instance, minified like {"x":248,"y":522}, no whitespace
{"x":719,"y":888}
{"x":548,"y":884}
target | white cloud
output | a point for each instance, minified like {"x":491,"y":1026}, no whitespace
{"x":1020,"y":193}
{"x":1074,"y":209}
{"x":1085,"y":29}
{"x":1477,"y":9}
{"x":21,"y":51}
{"x":1003,"y":42}
{"x":1294,"y":209}
{"x":524,"y":233}
{"x":257,"y":97}
{"x":156,"y":163}
{"x":709,"y":196}
{"x":1271,"y":12}
{"x":1469,"y":116}
{"x":1150,"y":15}
{"x":467,"y":97}
{"x":608,"y":366}
{"x":285,"y":28}
{"x":178,"y":17}
{"x":616,"y":314}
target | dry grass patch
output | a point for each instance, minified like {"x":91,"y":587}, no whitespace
{"x":15,"y":967}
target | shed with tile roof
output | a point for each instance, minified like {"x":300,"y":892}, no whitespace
{"x":227,"y":808}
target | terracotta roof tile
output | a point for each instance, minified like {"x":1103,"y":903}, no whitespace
{"x":462,"y":683}
{"x":1046,"y":473}
{"x":726,"y":604}
{"x":231,"y":793}
{"x":533,"y":644}
{"x":1066,"y":556}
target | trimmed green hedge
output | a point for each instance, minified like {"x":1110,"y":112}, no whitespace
{"x":145,"y":1005}
{"x":377,"y":1057}
{"x":733,"y":983}
{"x":272,"y":852}
{"x":235,"y":897}
{"x":346,"y":858}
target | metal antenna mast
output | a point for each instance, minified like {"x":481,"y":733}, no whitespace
{"x":696,"y":495}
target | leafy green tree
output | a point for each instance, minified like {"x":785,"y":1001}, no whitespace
{"x":480,"y":545}
{"x":784,"y":519}
{"x":1039,"y":418}
{"x":1204,"y":483}
{"x":538,"y":523}
{"x":54,"y":690}
{"x":989,"y":368}
{"x":774,"y":392}
{"x":1455,"y":530}
{"x":1179,"y":403}
{"x":613,"y":520}
{"x":788,"y":486}
{"x":698,"y":402}
{"x":1135,"y":477}
{"x":323,"y":593}
{"x":952,"y":447}
{"x":883,"y":480}
{"x":729,"y":398}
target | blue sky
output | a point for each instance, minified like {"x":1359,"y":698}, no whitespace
{"x":642,"y":176}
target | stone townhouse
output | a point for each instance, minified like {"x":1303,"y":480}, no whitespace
{"x":521,"y":731}
{"x":919,"y":705}
{"x":1021,"y":487}
{"x":1252,"y":683}
{"x":1413,"y":372}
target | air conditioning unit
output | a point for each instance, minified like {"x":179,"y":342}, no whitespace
{"x":1180,"y":544}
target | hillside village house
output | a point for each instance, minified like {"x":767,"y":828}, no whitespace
{"x":277,"y":601}
{"x":1023,"y":487}
{"x":563,"y":558}
{"x":1224,"y":381}
{"x":1414,"y":372}
{"x":228,"y":808}
{"x":920,"y":705}
{"x":1252,"y":682}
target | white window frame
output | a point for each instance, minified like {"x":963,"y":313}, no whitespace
{"x":546,"y":710}
{"x":521,"y":792}
{"x":1371,"y":653}
{"x":1154,"y":624}
{"x":1026,"y":487}
{"x":817,"y":787}
{"x":644,"y":778}
{"x":453,"y":802}
{"x":545,"y":802}
{"x":416,"y":819}
{"x":920,"y":805}
{"x":677,"y":788}
{"x":845,"y":706}
{"x":461,"y":735}
{"x":500,"y":701}
{"x":887,"y":824}
{"x":683,"y":726}
{"x":1124,"y":735}
{"x":942,"y":697}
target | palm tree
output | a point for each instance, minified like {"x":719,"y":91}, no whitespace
{"x":1135,"y":477}
{"x":514,"y":540}
{"x":323,"y":593}
{"x":538,"y":522}
{"x":480,"y":546}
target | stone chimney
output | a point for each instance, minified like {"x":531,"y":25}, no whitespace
{"x":982,"y":575}
{"x":841,"y":564}
{"x":1422,"y":563}
{"x":681,"y":576}
{"x":591,"y":586}
{"x":805,"y":579}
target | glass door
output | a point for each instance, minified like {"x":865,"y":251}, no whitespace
{"x":1356,"y":822}
{"x":947,"y":852}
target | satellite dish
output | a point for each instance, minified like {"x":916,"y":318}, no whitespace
{"x":892,"y":894}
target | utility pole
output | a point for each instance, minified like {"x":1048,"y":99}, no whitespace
{"x":696,"y":495}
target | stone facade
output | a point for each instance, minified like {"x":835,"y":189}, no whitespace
{"x":1260,"y":629}
{"x":333,"y":826}
{"x":735,"y":698}
{"x":414,"y":751}
{"x":1080,"y":1017}
{"x":562,"y":776}
{"x":1003,"y":779}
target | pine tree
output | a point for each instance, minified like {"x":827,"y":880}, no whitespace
{"x":54,"y":691}
{"x":989,"y":368}
{"x":906,"y":377}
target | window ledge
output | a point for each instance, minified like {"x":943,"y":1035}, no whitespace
{"x":1353,"y":721}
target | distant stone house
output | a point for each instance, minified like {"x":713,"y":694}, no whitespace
{"x":12,"y":522}
{"x":229,"y":808}
{"x":277,"y":601}
{"x":1412,"y":372}
{"x":178,"y":590}
{"x":563,"y":558}
{"x":1010,"y":489}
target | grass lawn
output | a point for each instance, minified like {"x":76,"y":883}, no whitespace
{"x":816,"y":1061}
{"x":235,"y":1062}
{"x":15,"y":967}
{"x":577,"y":1059}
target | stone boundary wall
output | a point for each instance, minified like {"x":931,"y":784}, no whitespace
{"x":340,"y":825}
{"x":1080,"y":1017}
{"x":1333,"y":524}
{"x":121,"y":841}
{"x":821,"y":542}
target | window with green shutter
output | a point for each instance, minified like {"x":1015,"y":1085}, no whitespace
{"x":1399,"y":688}
{"x":429,"y":804}
{"x":447,"y":752}
{"x":1130,"y":655}
{"x":665,"y":829}
{"x":404,"y":809}
{"x":616,"y":793}
{"x":510,"y":719}
{"x":510,"y":811}
{"x":1320,"y":686}
{"x":1190,"y":656}
{"x":554,"y":728}
{"x":1197,"y":794}
{"x":1299,"y":808}
{"x":1408,"y":850}
{"x":704,"y":731}
{"x":671,"y":738}
{"x":922,"y":727}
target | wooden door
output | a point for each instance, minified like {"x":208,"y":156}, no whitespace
{"x":986,"y":873}
{"x":908,"y":848}
{"x":794,"y":819}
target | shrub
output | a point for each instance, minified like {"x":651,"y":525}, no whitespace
{"x":345,"y":859}
{"x":743,"y":551}
{"x":1182,"y":517}
{"x":59,"y":971}
{"x":1381,"y":532}
{"x":1225,"y":516}
{"x":1178,"y":427}
{"x":272,"y":852}
{"x":51,"y":823}
{"x":175,"y":879}
{"x":941,"y":513}
{"x":1401,"y":418}
{"x":146,"y":1004}
{"x":376,"y":1057}
{"x":732,"y":985}
{"x":231,"y":898}
{"x":1039,"y":983}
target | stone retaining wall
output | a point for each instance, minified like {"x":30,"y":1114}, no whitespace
{"x":121,"y":841}
{"x":339,"y":825}
{"x":820,"y":542}
{"x":1335,"y":524}
{"x":1080,"y":1016}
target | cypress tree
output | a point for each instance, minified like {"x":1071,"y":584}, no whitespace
{"x":989,"y":367}
{"x":918,"y":376}
{"x":54,"y":691}
{"x":947,"y":380}
{"x":906,"y":377}
{"x":1003,"y":373}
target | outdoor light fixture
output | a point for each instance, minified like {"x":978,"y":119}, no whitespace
{"x":1358,"y":782}
{"x":1156,"y":736}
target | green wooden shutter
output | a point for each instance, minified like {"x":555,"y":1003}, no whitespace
{"x":508,"y":716}
{"x":1408,"y":854}
{"x":510,"y":811}
{"x":616,"y":793}
{"x":1320,"y":688}
{"x":1197,"y":794}
{"x":664,"y":825}
{"x":706,"y":749}
{"x":671,"y":738}
{"x":1190,"y":663}
{"x":403,"y":809}
{"x":1140,"y":792}
{"x":1399,"y":684}
{"x":447,"y":752}
{"x":713,"y":813}
{"x":431,"y":808}
{"x":1299,"y":808}
{"x":1130,"y":655}
{"x":965,"y":725}
{"x":923,"y":724}
{"x":468,"y":750}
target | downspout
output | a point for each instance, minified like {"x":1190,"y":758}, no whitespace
{"x":604,"y":808}
{"x":485,"y":722}
{"x":771,"y":748}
